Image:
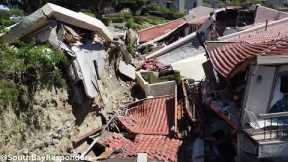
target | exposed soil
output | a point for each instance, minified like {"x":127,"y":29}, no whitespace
{"x":52,"y":127}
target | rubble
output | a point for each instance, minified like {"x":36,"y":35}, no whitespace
{"x":188,"y":46}
{"x":264,"y":14}
{"x":40,"y":18}
{"x":259,"y":33}
{"x":155,"y":116}
{"x":172,"y":46}
{"x":157,"y":147}
{"x":215,"y":89}
{"x":127,"y":70}
{"x":88,"y":57}
{"x":242,"y":59}
{"x":80,"y":140}
{"x":170,"y":34}
{"x":152,"y":65}
{"x":204,"y":94}
{"x":131,"y":37}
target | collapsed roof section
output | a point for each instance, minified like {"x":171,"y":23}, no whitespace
{"x":158,"y":32}
{"x":228,"y":58}
{"x":160,"y":148}
{"x":234,"y":20}
{"x":195,"y":19}
{"x":260,"y":33}
{"x":151,"y":116}
{"x":231,"y":51}
{"x":183,"y":48}
{"x":156,"y":126}
{"x":172,"y":46}
{"x":264,"y":14}
{"x":41,"y":18}
{"x":64,"y":29}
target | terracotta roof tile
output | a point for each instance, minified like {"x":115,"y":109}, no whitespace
{"x":260,"y":33}
{"x":150,"y":116}
{"x":227,"y":58}
{"x":157,"y":31}
{"x":263,"y":35}
{"x":264,"y":13}
{"x":157,"y":147}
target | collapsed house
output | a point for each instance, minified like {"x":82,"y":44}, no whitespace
{"x":245,"y":79}
{"x":243,"y":68}
{"x":205,"y":24}
{"x":234,"y":20}
{"x":237,"y":63}
{"x":156,"y":129}
{"x":80,"y":36}
{"x":152,"y":120}
{"x":243,"y":76}
{"x":83,"y":39}
{"x":157,"y":37}
{"x":264,"y":14}
{"x":189,"y":50}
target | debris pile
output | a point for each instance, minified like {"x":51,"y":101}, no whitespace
{"x":152,"y":116}
{"x":156,"y":126}
{"x":208,"y":80}
{"x":157,"y":147}
{"x":245,"y":63}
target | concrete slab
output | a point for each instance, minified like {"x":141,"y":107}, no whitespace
{"x":191,"y":67}
{"x":41,"y":17}
{"x":127,"y":70}
{"x":163,"y":88}
{"x":89,"y":64}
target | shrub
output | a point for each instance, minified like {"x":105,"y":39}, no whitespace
{"x":6,"y":17}
{"x":8,"y":92}
{"x":31,"y":63}
{"x":132,"y":24}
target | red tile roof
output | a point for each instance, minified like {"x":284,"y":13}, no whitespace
{"x":157,"y":147}
{"x":227,"y":58}
{"x":116,"y":141}
{"x":157,"y":31}
{"x":150,"y":116}
{"x":264,"y":13}
{"x":274,"y":31}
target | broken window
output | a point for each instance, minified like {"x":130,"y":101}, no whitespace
{"x":279,"y":98}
